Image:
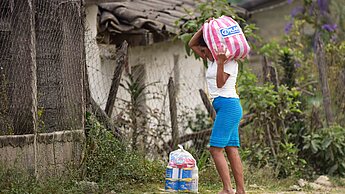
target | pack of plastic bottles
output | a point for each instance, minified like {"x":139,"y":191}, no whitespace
{"x":181,"y":172}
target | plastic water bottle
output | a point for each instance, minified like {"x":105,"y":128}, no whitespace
{"x":195,"y":180}
{"x":171,"y":179}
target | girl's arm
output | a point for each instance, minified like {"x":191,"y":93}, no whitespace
{"x":194,"y":44}
{"x":221,"y":75}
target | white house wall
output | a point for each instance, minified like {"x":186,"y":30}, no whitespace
{"x":158,"y":62}
{"x":99,"y":87}
{"x":100,"y":60}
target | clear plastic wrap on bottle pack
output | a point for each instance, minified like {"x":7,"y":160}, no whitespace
{"x":181,"y":172}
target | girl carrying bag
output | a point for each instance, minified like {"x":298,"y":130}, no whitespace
{"x":226,"y":32}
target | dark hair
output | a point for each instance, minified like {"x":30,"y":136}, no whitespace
{"x":202,"y":41}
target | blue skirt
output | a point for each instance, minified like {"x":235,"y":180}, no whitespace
{"x":228,"y":117}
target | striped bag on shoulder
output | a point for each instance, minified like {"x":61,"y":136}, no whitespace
{"x":226,"y":31}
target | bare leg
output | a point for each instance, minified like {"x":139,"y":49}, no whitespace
{"x":222,"y":168}
{"x":237,"y":168}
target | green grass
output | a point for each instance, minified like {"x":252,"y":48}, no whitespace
{"x":19,"y":181}
{"x":16,"y":181}
{"x":270,"y":186}
{"x":209,"y":182}
{"x":256,"y":180}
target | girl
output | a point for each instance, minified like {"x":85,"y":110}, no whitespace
{"x":221,"y":80}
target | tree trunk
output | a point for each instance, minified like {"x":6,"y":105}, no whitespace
{"x":273,"y":76}
{"x":342,"y":89}
{"x":321,"y":65}
{"x":265,"y":69}
{"x":60,"y":64}
{"x":269,"y":73}
{"x":173,"y":114}
{"x":17,"y":67}
{"x":270,"y":140}
{"x":121,"y":62}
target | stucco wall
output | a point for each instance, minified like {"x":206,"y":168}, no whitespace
{"x":93,"y":60}
{"x":159,"y":61}
{"x":166,"y":59}
{"x":48,"y":153}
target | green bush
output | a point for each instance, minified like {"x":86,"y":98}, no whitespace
{"x":113,"y":165}
{"x":270,"y":139}
{"x":20,"y":181}
{"x":286,"y":163}
{"x":256,"y":155}
{"x":325,"y":150}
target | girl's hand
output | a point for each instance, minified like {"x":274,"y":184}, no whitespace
{"x":221,"y":75}
{"x":221,"y":54}
{"x":208,"y":20}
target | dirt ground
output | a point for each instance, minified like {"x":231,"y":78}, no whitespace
{"x":335,"y":190}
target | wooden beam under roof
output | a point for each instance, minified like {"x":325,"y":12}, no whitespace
{"x":90,"y":2}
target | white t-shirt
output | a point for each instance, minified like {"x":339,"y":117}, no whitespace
{"x":229,"y":88}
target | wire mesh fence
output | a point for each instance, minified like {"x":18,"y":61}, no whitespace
{"x":44,"y":47}
{"x":41,"y":66}
{"x":142,"y":111}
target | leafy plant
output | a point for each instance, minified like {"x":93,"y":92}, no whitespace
{"x":286,"y":61}
{"x":147,"y":127}
{"x":325,"y":150}
{"x":257,"y":155}
{"x":206,"y":10}
{"x":136,"y":106}
{"x":288,"y":162}
{"x":112,"y":164}
{"x":277,"y":118}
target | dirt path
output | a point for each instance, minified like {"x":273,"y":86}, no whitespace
{"x":338,"y":190}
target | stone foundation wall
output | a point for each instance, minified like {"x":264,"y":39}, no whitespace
{"x":47,"y":153}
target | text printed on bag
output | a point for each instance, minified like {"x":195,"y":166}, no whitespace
{"x":230,"y":31}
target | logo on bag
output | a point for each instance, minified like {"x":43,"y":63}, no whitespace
{"x":229,"y":31}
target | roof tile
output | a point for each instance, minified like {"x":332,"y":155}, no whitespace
{"x":152,"y":15}
{"x":158,"y":16}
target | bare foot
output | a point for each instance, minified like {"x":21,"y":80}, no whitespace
{"x":240,"y":192}
{"x":226,"y":192}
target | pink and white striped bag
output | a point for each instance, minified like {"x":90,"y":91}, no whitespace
{"x":226,"y":31}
